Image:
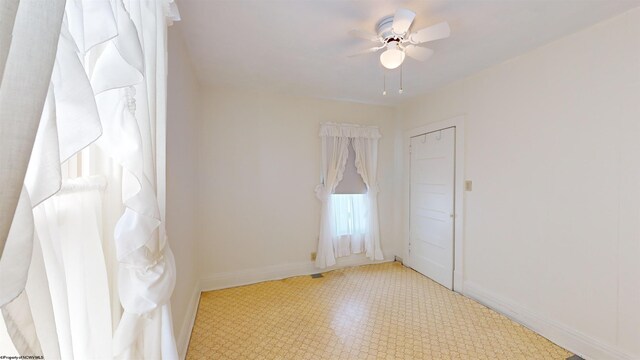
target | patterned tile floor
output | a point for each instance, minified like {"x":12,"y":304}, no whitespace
{"x":384,"y":311}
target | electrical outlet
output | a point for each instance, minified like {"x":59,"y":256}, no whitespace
{"x":468,"y":185}
{"x":313,"y":256}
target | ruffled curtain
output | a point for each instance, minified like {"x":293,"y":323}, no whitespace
{"x":75,"y":73}
{"x":366,"y":149}
{"x":332,"y":241}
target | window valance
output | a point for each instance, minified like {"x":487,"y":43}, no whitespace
{"x":350,"y":131}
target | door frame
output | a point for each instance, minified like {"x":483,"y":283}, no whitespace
{"x":458,"y":193}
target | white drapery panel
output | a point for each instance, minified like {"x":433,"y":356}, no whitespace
{"x":366,"y":149}
{"x":332,"y":241}
{"x":334,"y":158}
{"x":28,"y":44}
{"x":28,"y":40}
{"x":147,"y":271}
{"x":29,"y":32}
{"x":69,"y":228}
{"x":108,"y":81}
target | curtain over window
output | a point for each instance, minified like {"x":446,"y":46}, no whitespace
{"x":348,"y":222}
{"x":85,"y":268}
{"x":350,"y":215}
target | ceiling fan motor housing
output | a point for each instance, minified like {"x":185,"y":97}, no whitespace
{"x":384,"y":29}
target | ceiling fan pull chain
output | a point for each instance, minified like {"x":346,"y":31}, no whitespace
{"x":384,"y":82}
{"x":400,"y":90}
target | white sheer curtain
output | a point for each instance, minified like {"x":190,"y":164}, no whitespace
{"x":69,"y":228}
{"x":108,"y":82}
{"x":350,"y":212}
{"x":348,"y":224}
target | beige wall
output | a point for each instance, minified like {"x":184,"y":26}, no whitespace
{"x":552,"y":145}
{"x":260,"y":164}
{"x":183,"y":126}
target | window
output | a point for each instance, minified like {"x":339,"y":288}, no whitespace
{"x":349,"y":207}
{"x":349,"y":213}
{"x":351,"y":182}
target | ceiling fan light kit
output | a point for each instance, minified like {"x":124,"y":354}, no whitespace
{"x":394,"y":36}
{"x":393,"y":56}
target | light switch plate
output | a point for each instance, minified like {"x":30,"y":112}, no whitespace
{"x":468,"y":185}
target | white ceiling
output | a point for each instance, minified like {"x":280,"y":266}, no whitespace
{"x":301,"y":47}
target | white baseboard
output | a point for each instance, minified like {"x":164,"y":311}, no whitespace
{"x":187,"y":324}
{"x":276,"y":272}
{"x":570,"y":339}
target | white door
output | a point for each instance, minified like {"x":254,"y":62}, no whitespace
{"x":431,"y":221}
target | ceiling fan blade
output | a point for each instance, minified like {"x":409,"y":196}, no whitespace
{"x":368,"y":51}
{"x":364,"y":35}
{"x":431,"y":33}
{"x":418,"y":53}
{"x":402,"y":21}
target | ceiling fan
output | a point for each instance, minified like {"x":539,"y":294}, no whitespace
{"x":393,"y":34}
